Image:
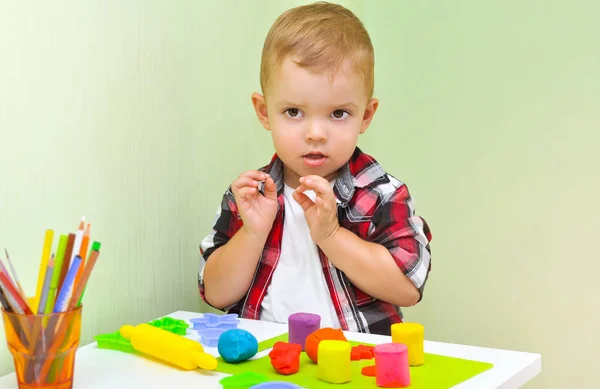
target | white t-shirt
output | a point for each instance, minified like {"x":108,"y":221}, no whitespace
{"x":298,"y":283}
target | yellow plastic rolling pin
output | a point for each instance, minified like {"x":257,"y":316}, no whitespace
{"x":166,"y":346}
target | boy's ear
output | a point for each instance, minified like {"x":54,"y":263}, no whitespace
{"x":260,"y":106}
{"x":369,"y":113}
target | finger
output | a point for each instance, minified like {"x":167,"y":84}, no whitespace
{"x":247,"y":193}
{"x":270,"y":189}
{"x":316,"y":183}
{"x":302,"y":188}
{"x":245,"y":182}
{"x":239,"y":186}
{"x":319,"y":202}
{"x":255,"y":175}
{"x":302,"y":199}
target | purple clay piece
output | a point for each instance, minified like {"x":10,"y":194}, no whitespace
{"x":198,"y":324}
{"x":210,"y":337}
{"x":211,"y":320}
{"x":275,"y":385}
{"x":228,"y":325}
{"x":231,"y":317}
{"x":300,"y":325}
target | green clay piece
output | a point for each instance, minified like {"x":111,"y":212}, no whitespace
{"x":170,"y":324}
{"x":114,"y":341}
{"x":243,"y":380}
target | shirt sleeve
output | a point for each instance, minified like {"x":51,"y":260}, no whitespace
{"x":225,"y":224}
{"x":406,"y":236}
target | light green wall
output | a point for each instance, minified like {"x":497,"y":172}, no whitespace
{"x":493,"y":111}
{"x":137,"y":115}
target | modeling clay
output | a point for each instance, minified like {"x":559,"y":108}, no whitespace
{"x":410,"y":334}
{"x":313,"y":340}
{"x":237,"y":345}
{"x":285,"y":357}
{"x":210,"y":337}
{"x":243,"y":380}
{"x":166,"y":346}
{"x":300,"y":325}
{"x":368,"y":371}
{"x":392,"y":369}
{"x":211,"y":320}
{"x":276,"y":385}
{"x":334,"y":362}
{"x":170,"y":324}
{"x":362,"y":352}
{"x":114,"y":341}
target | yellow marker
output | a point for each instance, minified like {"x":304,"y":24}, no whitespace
{"x":412,"y":335}
{"x":43,"y":265}
{"x":334,"y":361}
{"x":169,"y":347}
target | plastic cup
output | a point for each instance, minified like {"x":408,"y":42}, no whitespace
{"x":43,"y":347}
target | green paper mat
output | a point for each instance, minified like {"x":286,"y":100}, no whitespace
{"x":438,"y":372}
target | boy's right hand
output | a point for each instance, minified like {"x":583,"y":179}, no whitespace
{"x":257,"y":211}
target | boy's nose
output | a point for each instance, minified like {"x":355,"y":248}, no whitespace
{"x":316,"y":132}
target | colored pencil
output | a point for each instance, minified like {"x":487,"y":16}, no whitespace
{"x":4,"y":301}
{"x":66,"y":260}
{"x":83,"y":252}
{"x":12,"y":296}
{"x":79,"y":289}
{"x":15,"y":276}
{"x":46,"y":287}
{"x":5,"y":270}
{"x":58,"y":262}
{"x":43,"y":265}
{"x":66,"y":291}
{"x":78,"y":239}
{"x":61,"y":284}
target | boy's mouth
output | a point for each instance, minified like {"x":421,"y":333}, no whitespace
{"x":314,"y":159}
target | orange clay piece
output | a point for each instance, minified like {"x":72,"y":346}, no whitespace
{"x":313,"y":340}
{"x":368,"y":371}
{"x":361,"y":352}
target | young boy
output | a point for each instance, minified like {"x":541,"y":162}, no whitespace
{"x":322,"y":228}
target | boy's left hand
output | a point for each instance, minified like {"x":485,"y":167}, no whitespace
{"x":321,"y":215}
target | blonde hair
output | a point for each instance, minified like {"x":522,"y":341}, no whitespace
{"x":319,"y":37}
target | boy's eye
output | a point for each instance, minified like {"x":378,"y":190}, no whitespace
{"x":339,"y":114}
{"x":293,"y":112}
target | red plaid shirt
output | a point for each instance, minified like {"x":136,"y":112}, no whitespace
{"x":373,"y":205}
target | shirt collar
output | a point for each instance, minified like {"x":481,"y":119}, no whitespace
{"x":360,"y":171}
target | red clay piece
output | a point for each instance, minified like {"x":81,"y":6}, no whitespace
{"x":285,"y":357}
{"x":313,"y":340}
{"x":368,"y":371}
{"x":361,"y":352}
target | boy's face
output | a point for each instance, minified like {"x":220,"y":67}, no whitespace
{"x":314,"y":119}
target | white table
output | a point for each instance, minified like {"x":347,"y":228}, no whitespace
{"x":100,"y":369}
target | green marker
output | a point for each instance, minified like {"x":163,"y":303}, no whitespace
{"x":58,"y":262}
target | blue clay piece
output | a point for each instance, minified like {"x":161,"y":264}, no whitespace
{"x":275,"y":385}
{"x":237,"y":345}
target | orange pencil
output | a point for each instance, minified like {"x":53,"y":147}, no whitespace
{"x":83,"y":252}
{"x":80,"y":287}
